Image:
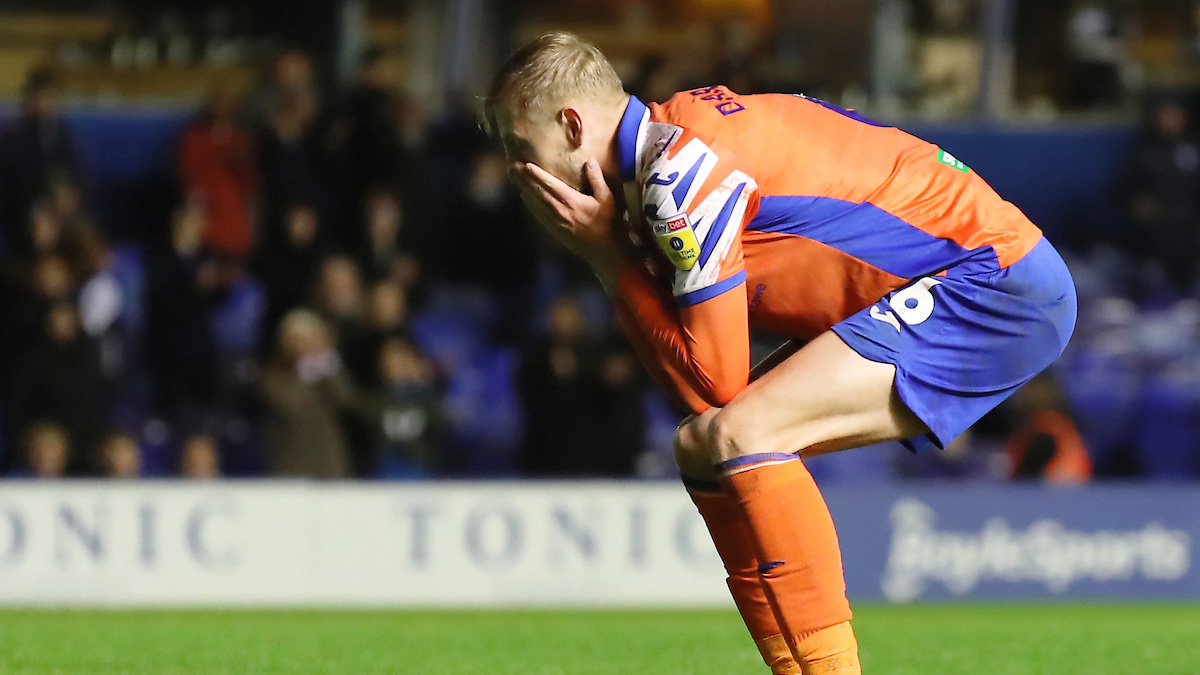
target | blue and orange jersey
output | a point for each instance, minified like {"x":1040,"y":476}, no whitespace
{"x":790,"y":214}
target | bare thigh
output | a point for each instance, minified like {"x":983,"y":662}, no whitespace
{"x":825,"y":397}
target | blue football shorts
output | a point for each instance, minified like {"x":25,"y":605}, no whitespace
{"x":964,"y":341}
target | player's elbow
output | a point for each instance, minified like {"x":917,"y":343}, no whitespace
{"x":721,"y":391}
{"x":720,"y":374}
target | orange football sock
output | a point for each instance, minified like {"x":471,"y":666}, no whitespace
{"x":724,"y":521}
{"x":829,"y":651}
{"x":800,"y":563}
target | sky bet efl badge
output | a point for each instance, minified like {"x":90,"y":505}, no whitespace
{"x":677,"y":240}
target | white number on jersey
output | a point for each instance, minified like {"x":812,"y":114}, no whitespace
{"x":913,"y":305}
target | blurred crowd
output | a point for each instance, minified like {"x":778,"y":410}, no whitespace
{"x":334,"y":271}
{"x":347,"y":286}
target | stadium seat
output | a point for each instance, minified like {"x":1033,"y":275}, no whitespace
{"x":130,"y":270}
{"x":1101,"y":372}
{"x":484,"y":413}
{"x":448,"y":335}
{"x":661,"y":421}
{"x":1168,"y":429}
{"x":158,"y":444}
{"x":236,"y":324}
{"x":396,"y":468}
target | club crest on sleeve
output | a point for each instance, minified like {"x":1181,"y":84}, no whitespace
{"x":677,"y":240}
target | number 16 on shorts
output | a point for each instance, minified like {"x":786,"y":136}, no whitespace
{"x":912,"y":305}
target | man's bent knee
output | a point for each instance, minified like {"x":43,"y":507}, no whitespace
{"x":730,"y":435}
{"x":737,"y":432}
{"x":693,"y":451}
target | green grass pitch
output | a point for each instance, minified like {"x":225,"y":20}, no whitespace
{"x":922,"y":640}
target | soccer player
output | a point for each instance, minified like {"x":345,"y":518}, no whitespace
{"x":921,"y":298}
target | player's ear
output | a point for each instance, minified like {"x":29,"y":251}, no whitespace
{"x":572,"y":123}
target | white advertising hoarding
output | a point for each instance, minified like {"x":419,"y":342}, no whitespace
{"x":567,"y":544}
{"x":624,"y":544}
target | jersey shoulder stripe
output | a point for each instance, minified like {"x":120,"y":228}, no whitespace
{"x":675,"y":186}
{"x":694,"y":197}
{"x":863,"y":231}
{"x":673,"y":179}
{"x":717,"y":221}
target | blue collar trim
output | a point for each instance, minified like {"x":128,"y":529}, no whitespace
{"x":627,"y":136}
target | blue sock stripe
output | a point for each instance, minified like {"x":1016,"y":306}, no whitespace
{"x":744,"y":460}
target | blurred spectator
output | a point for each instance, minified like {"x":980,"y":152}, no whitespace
{"x":289,"y":163}
{"x":306,"y":394}
{"x":657,"y":78}
{"x":339,"y":289}
{"x":65,"y":201}
{"x":1046,"y":444}
{"x":36,"y":149}
{"x":1162,"y":193}
{"x":219,"y":174}
{"x":236,"y":322}
{"x":622,"y":409}
{"x":405,"y":410}
{"x":47,"y":449}
{"x":361,"y":134}
{"x":120,"y":456}
{"x":288,"y":269}
{"x":29,"y":290}
{"x":1096,"y":35}
{"x":51,"y":280}
{"x":384,"y":257}
{"x":101,"y":298}
{"x":54,"y":219}
{"x":290,"y":74}
{"x":45,"y":230}
{"x":418,"y":188}
{"x":488,"y":241}
{"x":575,"y":401}
{"x":199,"y":458}
{"x":386,"y":314}
{"x":387,"y":309}
{"x":183,"y":286}
{"x":99,"y":293}
{"x":742,"y":56}
{"x":1191,"y":44}
{"x":948,"y":56}
{"x":339,"y":299}
{"x":60,"y":378}
{"x":359,"y":345}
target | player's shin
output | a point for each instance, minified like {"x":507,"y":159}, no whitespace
{"x":729,"y":534}
{"x":800,"y":563}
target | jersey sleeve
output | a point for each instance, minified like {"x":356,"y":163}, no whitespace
{"x":696,"y":202}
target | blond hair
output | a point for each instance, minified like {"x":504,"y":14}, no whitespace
{"x":546,"y":72}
